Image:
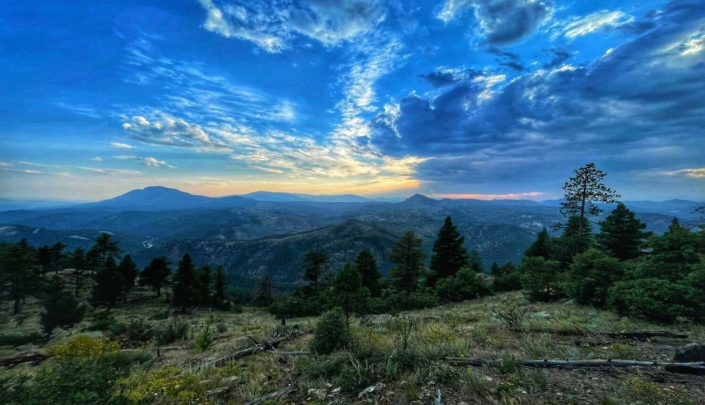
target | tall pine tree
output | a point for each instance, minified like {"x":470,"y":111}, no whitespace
{"x":408,"y":259}
{"x":18,"y":274}
{"x":109,"y":285}
{"x":622,"y":234}
{"x":367,"y":266}
{"x":186,"y":284}
{"x":314,"y":263}
{"x":220,"y":284}
{"x":155,"y":275}
{"x":61,"y":309}
{"x":349,"y":292}
{"x":449,"y":254}
{"x":541,"y":246}
{"x":264,"y":296}
{"x":80,"y":265}
{"x":205,"y":278}
{"x":129,"y":272}
{"x":583,"y":190}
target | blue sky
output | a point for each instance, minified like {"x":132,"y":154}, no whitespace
{"x":483,"y":98}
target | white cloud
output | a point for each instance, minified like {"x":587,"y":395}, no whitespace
{"x":124,"y":157}
{"x":118,"y":145}
{"x":271,"y":26}
{"x":111,"y":171}
{"x":599,"y":21}
{"x":166,"y":130}
{"x":97,"y":159}
{"x":152,"y":162}
{"x":698,"y":173}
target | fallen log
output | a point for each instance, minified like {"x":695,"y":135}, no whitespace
{"x":276,"y":394}
{"x":270,"y":345}
{"x":32,"y":358}
{"x":697,"y":366}
{"x":640,"y":335}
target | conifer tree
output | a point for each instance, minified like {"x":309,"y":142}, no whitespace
{"x":129,"y":272}
{"x":44,"y":257}
{"x":349,"y":292}
{"x":264,"y":296}
{"x":449,"y":254}
{"x":57,"y":254}
{"x":622,"y":234}
{"x":495,"y":270}
{"x":109,"y":285}
{"x":80,"y":264}
{"x":475,"y":260}
{"x":205,"y":276}
{"x":314,"y":263}
{"x":583,"y":190}
{"x":541,"y":246}
{"x":220,"y":284}
{"x":408,"y":258}
{"x":61,"y":309}
{"x":186,"y":284}
{"x":367,"y":266}
{"x":155,"y":275}
{"x":105,"y":246}
{"x":18,"y":275}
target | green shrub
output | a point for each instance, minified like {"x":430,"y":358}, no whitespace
{"x":205,"y":338}
{"x":139,"y":331}
{"x":101,"y":323}
{"x":507,"y":282}
{"x":331,"y":332}
{"x":375,"y":306}
{"x":296,"y":307}
{"x":540,"y":279}
{"x":18,"y":338}
{"x":172,"y":330}
{"x":653,"y":299}
{"x":465,"y":285}
{"x":590,"y":277}
{"x":403,"y":301}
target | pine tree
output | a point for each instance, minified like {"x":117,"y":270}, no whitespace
{"x":220,"y":284}
{"x":61,"y":309}
{"x":367,"y":266}
{"x":80,"y":264}
{"x":314,"y":263}
{"x":409,"y":262}
{"x":205,"y":276}
{"x":576,"y":238}
{"x":44,"y":257}
{"x":18,"y":275}
{"x":105,"y":246}
{"x":56,"y":254}
{"x":622,"y":234}
{"x":129,"y":272}
{"x":349,"y":292}
{"x":109,"y":285}
{"x":449,"y":254}
{"x":475,"y":260}
{"x":541,"y":246}
{"x":155,"y":275}
{"x":264,"y":296}
{"x":583,"y":190}
{"x":186,"y":284}
{"x":675,"y":225}
{"x":495,"y":270}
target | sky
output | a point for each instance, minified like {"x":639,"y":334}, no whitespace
{"x":447,"y":98}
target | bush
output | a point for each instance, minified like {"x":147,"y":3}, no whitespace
{"x":590,"y":277}
{"x":653,"y":299}
{"x":15,"y":339}
{"x":101,"y":323}
{"x":171,"y":331}
{"x":465,"y":285}
{"x":507,"y":282}
{"x":331,"y":332}
{"x":375,"y":306}
{"x":139,"y":331}
{"x":403,"y":301}
{"x":540,"y":279}
{"x":295,"y":307}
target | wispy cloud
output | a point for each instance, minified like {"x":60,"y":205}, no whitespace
{"x":118,"y":145}
{"x":603,"y":20}
{"x":166,"y":130}
{"x":152,"y":162}
{"x":698,"y":173}
{"x":97,"y":159}
{"x":111,"y":171}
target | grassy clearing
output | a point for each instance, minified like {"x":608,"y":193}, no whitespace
{"x":375,"y":355}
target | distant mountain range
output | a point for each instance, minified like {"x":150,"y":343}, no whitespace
{"x":268,"y":232}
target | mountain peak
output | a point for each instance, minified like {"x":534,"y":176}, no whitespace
{"x":419,"y":199}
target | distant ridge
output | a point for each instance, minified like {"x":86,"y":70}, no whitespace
{"x":158,"y":198}
{"x":420,"y":200}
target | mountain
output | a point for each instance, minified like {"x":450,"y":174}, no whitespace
{"x":418,"y":200}
{"x":157,"y":198}
{"x":273,"y":196}
{"x":289,"y":197}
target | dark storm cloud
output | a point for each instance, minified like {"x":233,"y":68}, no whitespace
{"x":642,"y":96}
{"x":493,"y":50}
{"x":446,"y":77}
{"x":559,"y":56}
{"x":506,"y":22}
{"x":514,"y":65}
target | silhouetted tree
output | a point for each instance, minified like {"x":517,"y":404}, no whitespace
{"x":205,"y":278}
{"x":449,"y":254}
{"x":408,"y":258}
{"x":129,"y":272}
{"x":44,"y":257}
{"x":314,"y":263}
{"x":80,"y":264}
{"x":18,"y":275}
{"x":367,"y":266}
{"x":186,"y":284}
{"x":541,"y":247}
{"x":583,"y":190}
{"x":57,"y":254}
{"x":105,"y":246}
{"x":348,"y":290}
{"x":220,"y":284}
{"x":155,"y":275}
{"x":622,"y":234}
{"x":61,"y":309}
{"x":264,"y":296}
{"x":109,"y":285}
